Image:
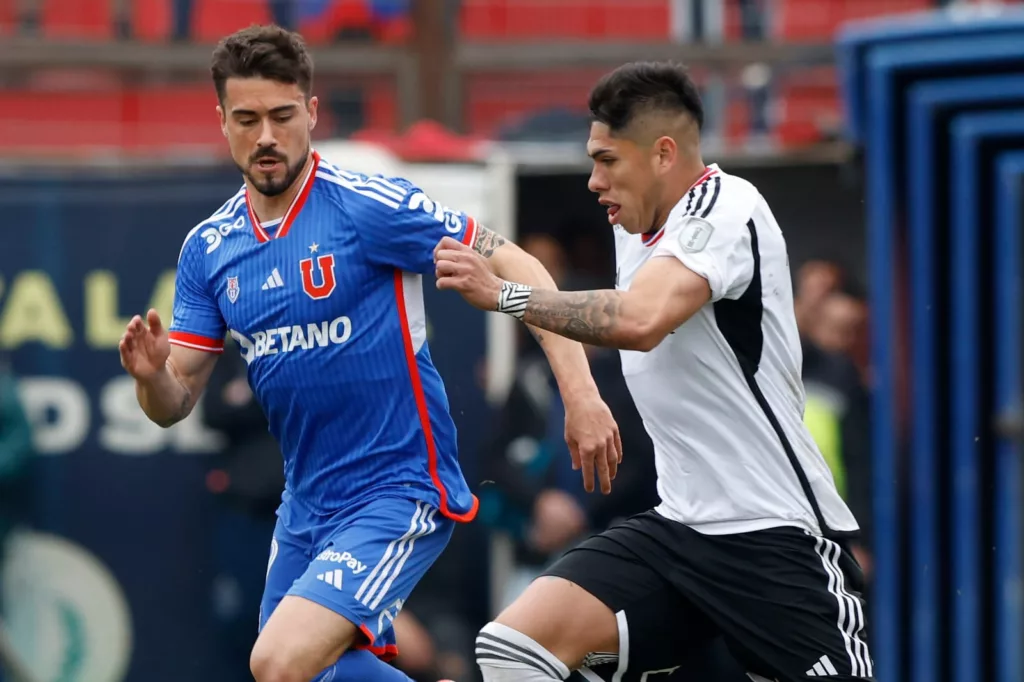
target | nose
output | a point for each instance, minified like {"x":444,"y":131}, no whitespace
{"x":267,"y":139}
{"x":597,"y":183}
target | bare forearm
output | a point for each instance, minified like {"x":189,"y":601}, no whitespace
{"x":164,"y":399}
{"x":592,"y":317}
{"x":567,"y":359}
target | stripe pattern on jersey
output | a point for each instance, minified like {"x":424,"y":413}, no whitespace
{"x":740,"y":321}
{"x":851,"y":612}
{"x":375,"y":187}
{"x":695,"y":202}
{"x":377,"y":584}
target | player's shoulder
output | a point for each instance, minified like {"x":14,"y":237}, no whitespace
{"x":209,"y":234}
{"x":364,"y":196}
{"x":363,"y":192}
{"x":719,"y":198}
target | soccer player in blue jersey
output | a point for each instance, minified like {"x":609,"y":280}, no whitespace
{"x":316,"y":273}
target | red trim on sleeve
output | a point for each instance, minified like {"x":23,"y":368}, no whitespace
{"x":469,"y":236}
{"x":196,"y":341}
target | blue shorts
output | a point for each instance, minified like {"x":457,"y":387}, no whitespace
{"x":362,"y":563}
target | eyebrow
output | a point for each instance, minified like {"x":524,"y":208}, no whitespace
{"x":599,"y":152}
{"x":276,"y":110}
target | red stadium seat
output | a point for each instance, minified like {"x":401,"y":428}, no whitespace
{"x":151,"y":20}
{"x":811,"y":20}
{"x":495,"y":99}
{"x":341,"y":15}
{"x":8,"y":17}
{"x":808,"y":104}
{"x":524,"y":20}
{"x":59,"y":121}
{"x":68,"y":19}
{"x":180,"y":116}
{"x":214,"y":19}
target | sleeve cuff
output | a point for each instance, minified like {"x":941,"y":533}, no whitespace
{"x":469,"y":236}
{"x":196,"y":341}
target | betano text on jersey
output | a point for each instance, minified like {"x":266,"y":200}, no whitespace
{"x":326,"y":306}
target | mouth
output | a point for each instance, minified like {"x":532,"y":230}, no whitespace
{"x":267,"y":164}
{"x":613,"y":212}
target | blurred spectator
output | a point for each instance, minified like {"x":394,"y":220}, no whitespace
{"x":247,"y":479}
{"x":832,"y":317}
{"x":815,"y":280}
{"x":15,"y":488}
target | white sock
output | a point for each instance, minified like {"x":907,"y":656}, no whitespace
{"x":505,"y":655}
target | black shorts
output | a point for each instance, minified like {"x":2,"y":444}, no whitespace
{"x":787,"y":604}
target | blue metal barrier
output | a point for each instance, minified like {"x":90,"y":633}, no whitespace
{"x":856,"y":40}
{"x":968,"y":131}
{"x":930,"y":104}
{"x":886,"y":64}
{"x":903,"y":83}
{"x":1008,"y":273}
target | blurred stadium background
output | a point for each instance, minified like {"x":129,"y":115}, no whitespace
{"x":886,"y":134}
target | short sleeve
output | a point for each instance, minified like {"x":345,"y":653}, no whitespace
{"x":196,"y":321}
{"x":399,"y":225}
{"x":719,"y":250}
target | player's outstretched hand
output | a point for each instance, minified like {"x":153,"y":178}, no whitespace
{"x":144,"y":346}
{"x":593,"y":439}
{"x":462,"y":269}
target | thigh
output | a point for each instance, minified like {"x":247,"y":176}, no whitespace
{"x":365,"y":569}
{"x":654,"y":625}
{"x":789,"y":604}
{"x":289,"y":557}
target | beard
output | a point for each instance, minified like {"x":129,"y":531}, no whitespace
{"x":270,"y":185}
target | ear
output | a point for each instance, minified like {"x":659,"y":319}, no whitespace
{"x":667,"y":151}
{"x":313,"y":106}
{"x":223,"y":120}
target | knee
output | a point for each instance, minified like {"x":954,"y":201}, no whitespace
{"x":275,"y":665}
{"x":503,"y":653}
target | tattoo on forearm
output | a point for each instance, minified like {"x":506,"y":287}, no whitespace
{"x":587,"y":316}
{"x":487,"y":241}
{"x":536,"y":334}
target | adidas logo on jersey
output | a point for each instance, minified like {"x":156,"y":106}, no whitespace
{"x":296,"y":337}
{"x":273,"y":281}
{"x":331,"y":577}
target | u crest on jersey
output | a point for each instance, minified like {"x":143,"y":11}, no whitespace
{"x":325,"y":264}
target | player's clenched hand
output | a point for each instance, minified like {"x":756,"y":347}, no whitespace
{"x":593,"y":439}
{"x":144,"y":347}
{"x":462,"y":269}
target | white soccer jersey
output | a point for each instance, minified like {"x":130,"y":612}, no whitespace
{"x":721,"y":396}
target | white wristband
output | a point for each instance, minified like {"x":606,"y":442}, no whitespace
{"x":513,"y":299}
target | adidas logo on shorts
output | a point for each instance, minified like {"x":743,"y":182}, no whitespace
{"x":331,"y":577}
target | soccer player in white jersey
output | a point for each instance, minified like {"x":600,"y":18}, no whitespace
{"x":750,"y":541}
{"x":316,"y":273}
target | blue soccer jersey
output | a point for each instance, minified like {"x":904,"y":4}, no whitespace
{"x":327,"y":307}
